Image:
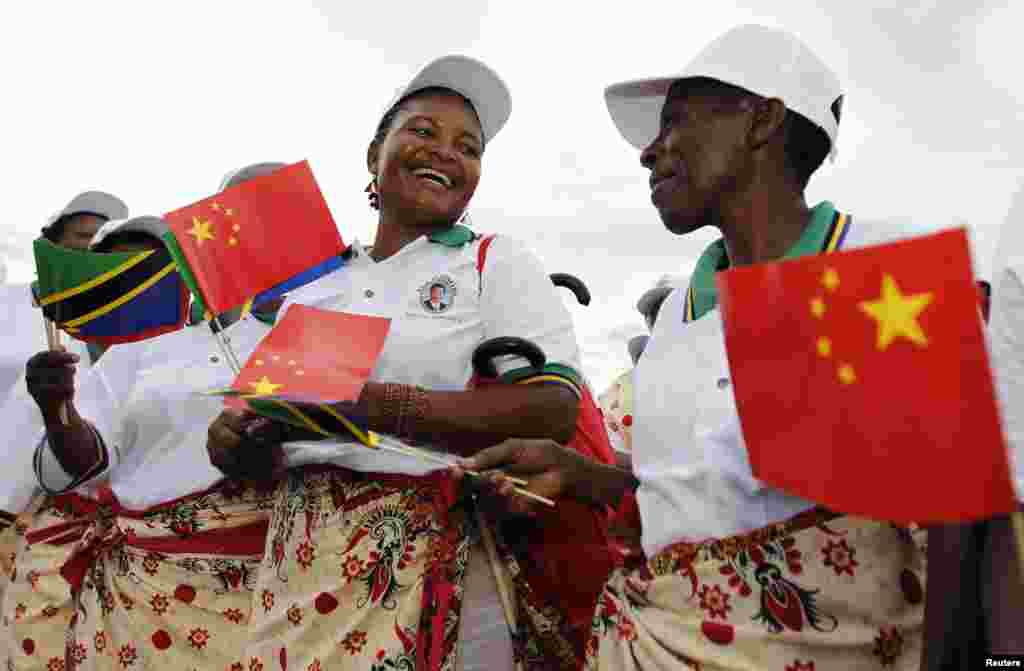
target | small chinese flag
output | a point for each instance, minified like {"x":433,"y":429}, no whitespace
{"x":862,"y":381}
{"x":309,"y":360}
{"x":314,"y":356}
{"x":256,"y":240}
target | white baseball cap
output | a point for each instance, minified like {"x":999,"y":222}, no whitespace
{"x":93,"y":202}
{"x":236,"y":177}
{"x":154,"y":226}
{"x":471,"y":79}
{"x":765,"y":61}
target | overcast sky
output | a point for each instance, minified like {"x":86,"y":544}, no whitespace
{"x":155,"y":101}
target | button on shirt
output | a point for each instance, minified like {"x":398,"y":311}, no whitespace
{"x":143,"y":398}
{"x":688,"y":453}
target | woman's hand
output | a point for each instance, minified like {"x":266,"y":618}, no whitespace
{"x":550,"y":470}
{"x":246,"y":446}
{"x":50,"y":377}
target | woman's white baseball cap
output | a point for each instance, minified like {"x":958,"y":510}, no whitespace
{"x":769,"y":62}
{"x":473,"y":80}
{"x":154,"y":226}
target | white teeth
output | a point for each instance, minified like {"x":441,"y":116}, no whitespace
{"x":439,"y":176}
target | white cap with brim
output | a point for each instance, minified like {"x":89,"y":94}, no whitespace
{"x":93,"y":202}
{"x":766,"y":61}
{"x":471,"y":79}
{"x":154,"y":226}
{"x":236,"y":177}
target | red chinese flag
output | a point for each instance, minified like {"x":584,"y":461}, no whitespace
{"x":314,"y":356}
{"x":862,"y":381}
{"x":255,"y":236}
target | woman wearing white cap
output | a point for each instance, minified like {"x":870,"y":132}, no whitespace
{"x":142,"y":554}
{"x":739,"y":575}
{"x":383,"y":568}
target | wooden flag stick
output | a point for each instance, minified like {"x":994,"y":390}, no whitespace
{"x":53,"y":343}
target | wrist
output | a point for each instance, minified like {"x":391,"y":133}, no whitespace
{"x":603,"y":484}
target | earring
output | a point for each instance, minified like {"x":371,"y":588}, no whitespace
{"x":373,"y":196}
{"x":465,"y":220}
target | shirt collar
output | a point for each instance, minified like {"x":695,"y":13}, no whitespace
{"x":703,"y":291}
{"x":456,"y":236}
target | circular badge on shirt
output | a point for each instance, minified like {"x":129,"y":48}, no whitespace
{"x":438,"y":295}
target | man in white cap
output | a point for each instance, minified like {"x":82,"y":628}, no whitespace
{"x":739,"y":575}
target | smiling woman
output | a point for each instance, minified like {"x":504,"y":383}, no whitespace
{"x":420,"y":585}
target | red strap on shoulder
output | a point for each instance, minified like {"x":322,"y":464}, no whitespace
{"x":481,"y":258}
{"x":481,"y":253}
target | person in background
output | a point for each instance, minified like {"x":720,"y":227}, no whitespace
{"x":983,"y":614}
{"x":739,"y":575}
{"x":77,"y":223}
{"x":617,"y":401}
{"x":73,"y":227}
{"x":141,"y":554}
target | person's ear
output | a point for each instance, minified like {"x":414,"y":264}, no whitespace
{"x":768,"y":121}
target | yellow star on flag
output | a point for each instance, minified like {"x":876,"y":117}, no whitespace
{"x":201,"y":230}
{"x":897,"y":313}
{"x":264,"y":387}
{"x":830,"y":280}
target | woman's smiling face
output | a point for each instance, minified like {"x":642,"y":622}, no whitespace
{"x":428,"y":164}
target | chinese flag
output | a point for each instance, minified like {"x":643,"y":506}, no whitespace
{"x":862,"y":381}
{"x":270,"y":232}
{"x":314,"y":356}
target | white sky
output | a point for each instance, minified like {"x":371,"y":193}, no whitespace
{"x":155,"y":101}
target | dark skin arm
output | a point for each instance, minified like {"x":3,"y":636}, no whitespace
{"x":468,"y":421}
{"x":462,"y":421}
{"x":50,"y":377}
{"x":984,"y":613}
{"x":1002,"y":588}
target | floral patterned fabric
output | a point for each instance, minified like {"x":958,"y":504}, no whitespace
{"x":96,"y":586}
{"x":365,"y":571}
{"x":819,"y":592}
{"x":8,"y":548}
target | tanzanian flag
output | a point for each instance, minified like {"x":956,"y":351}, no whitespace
{"x":110,"y":298}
